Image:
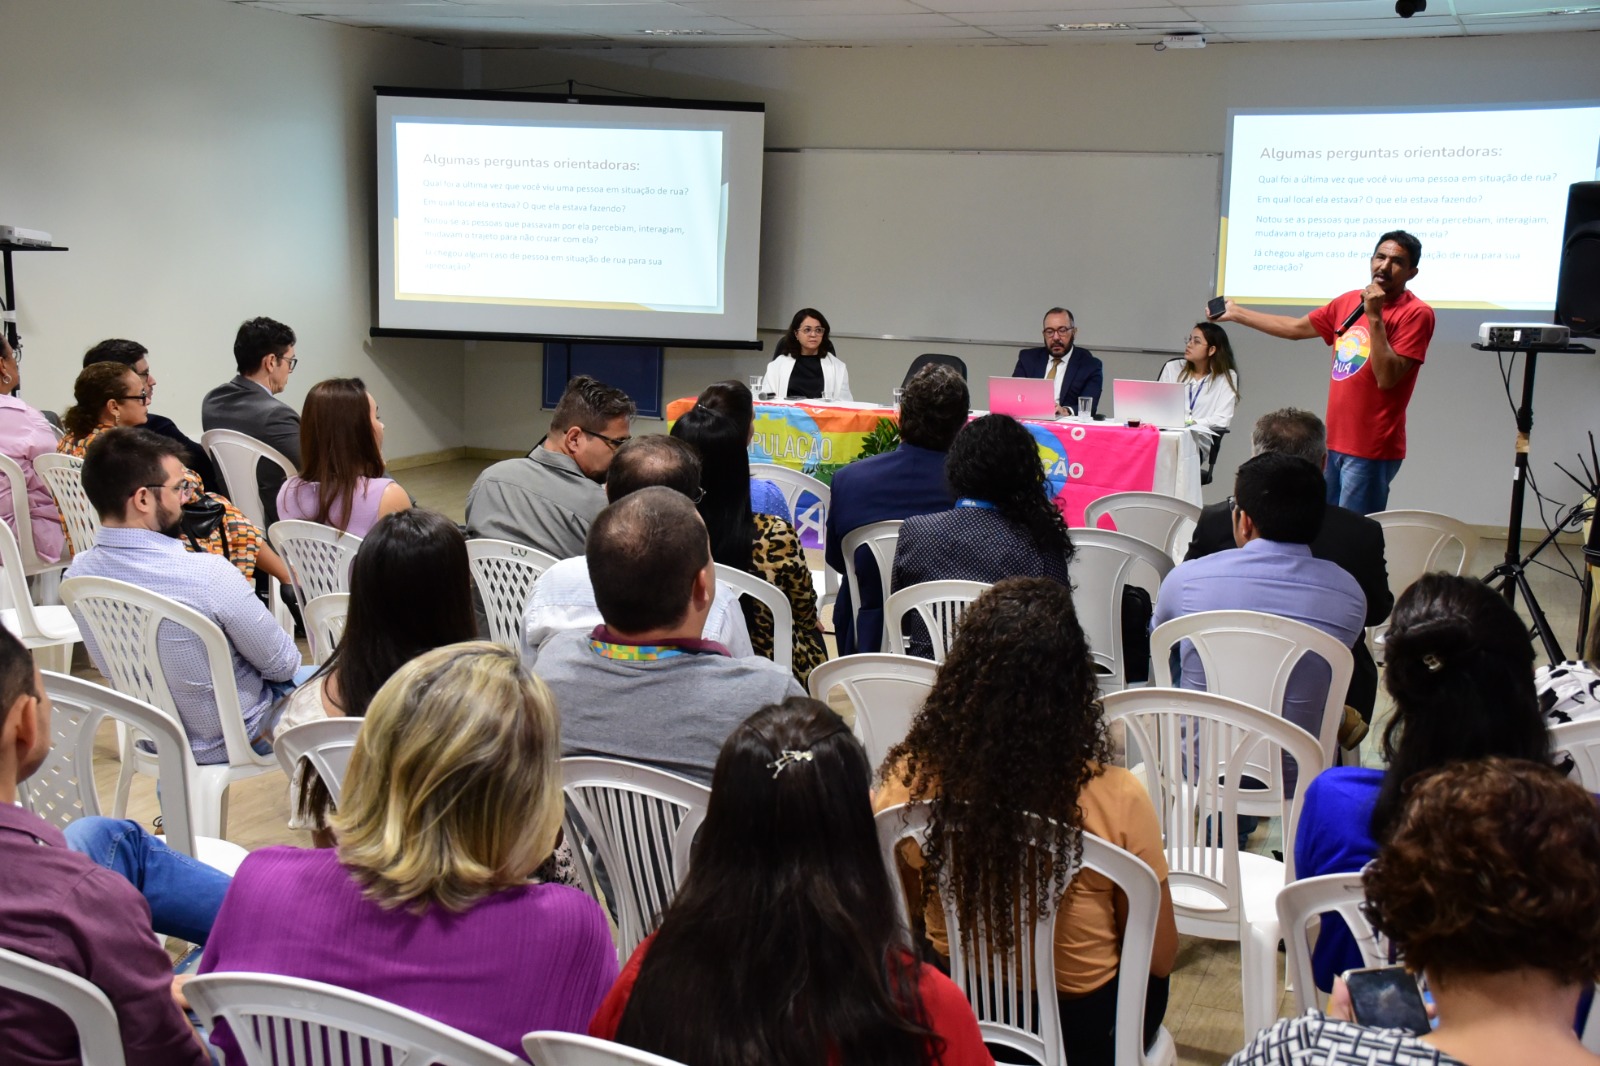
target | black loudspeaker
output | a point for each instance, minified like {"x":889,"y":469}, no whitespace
{"x":1578,"y":290}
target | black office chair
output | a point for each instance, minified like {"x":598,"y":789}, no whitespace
{"x":1210,"y":464}
{"x":954,"y":361}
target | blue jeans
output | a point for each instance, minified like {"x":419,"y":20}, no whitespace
{"x":1359,"y":485}
{"x":184,"y":894}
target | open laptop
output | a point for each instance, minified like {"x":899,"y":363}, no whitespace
{"x":1155,"y":403}
{"x":1022,"y":397}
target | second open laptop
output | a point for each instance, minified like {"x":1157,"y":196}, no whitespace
{"x":1022,"y":397}
{"x":1154,"y":403}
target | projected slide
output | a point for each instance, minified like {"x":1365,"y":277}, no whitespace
{"x":1485,"y":191}
{"x":519,"y":216}
{"x":559,"y":216}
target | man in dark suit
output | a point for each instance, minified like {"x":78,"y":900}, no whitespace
{"x":896,"y":485}
{"x":1352,"y":541}
{"x":263,"y":350}
{"x":1077,"y":373}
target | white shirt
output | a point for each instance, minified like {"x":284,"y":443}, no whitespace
{"x":835,"y":378}
{"x":563,"y":599}
{"x":1209,"y":401}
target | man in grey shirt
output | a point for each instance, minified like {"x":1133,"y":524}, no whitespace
{"x":645,"y":686}
{"x":547,"y":499}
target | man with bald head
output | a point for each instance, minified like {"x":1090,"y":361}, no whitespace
{"x":644,"y":685}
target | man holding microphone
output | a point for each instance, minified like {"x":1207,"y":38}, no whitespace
{"x":1380,"y":337}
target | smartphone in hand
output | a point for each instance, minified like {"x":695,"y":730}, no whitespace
{"x":1215,"y":306}
{"x":1387,"y":997}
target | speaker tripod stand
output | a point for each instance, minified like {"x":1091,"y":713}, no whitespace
{"x":1513,"y":571}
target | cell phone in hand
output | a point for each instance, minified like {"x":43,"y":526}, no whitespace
{"x":1387,"y":997}
{"x":1215,"y":306}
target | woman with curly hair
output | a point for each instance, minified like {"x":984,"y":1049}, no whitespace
{"x":1013,"y":729}
{"x":112,"y":394}
{"x":783,"y":946}
{"x":1459,"y":665}
{"x":1004,"y":523}
{"x":1486,"y":886}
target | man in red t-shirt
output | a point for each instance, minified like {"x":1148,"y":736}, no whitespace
{"x":1375,"y":365}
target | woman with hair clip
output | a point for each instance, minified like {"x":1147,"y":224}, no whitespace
{"x":409,"y":558}
{"x":1013,"y":729}
{"x":1485,"y":886}
{"x":804,"y":365}
{"x":453,"y":798}
{"x":113,"y":394}
{"x":1459,"y":665}
{"x":1004,"y":523}
{"x":783,"y":946}
{"x":756,"y":544}
{"x":732,"y":398}
{"x":1211,"y":382}
{"x":341,"y":482}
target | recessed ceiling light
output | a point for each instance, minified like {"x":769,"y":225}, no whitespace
{"x":1090,"y":26}
{"x":673,"y":33}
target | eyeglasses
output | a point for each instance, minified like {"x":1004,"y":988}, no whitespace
{"x":142,"y":397}
{"x":1062,"y":332}
{"x":809,"y":329}
{"x":697,"y":495}
{"x":293,"y":361}
{"x":16,"y":350}
{"x":184,"y":490}
{"x":1198,"y":342}
{"x":615,"y":442}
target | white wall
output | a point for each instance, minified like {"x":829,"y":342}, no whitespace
{"x":1116,"y":97}
{"x":207,"y":163}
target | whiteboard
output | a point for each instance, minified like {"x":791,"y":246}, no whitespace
{"x":975,"y":246}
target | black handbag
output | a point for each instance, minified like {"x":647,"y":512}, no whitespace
{"x":201,"y":517}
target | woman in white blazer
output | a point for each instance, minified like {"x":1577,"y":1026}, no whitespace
{"x":804,"y":366}
{"x":1211,"y":384}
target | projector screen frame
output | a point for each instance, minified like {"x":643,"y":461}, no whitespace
{"x":590,"y":99}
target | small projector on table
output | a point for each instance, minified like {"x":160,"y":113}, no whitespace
{"x":1522,"y":336}
{"x":35,"y":238}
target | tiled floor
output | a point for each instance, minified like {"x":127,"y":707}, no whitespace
{"x":1203,"y":1014}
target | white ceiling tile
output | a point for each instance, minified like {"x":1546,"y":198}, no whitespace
{"x":1376,"y":10}
{"x":740,"y":9}
{"x":1046,"y":22}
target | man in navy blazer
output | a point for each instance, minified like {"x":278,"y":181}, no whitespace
{"x":895,"y":485}
{"x":1077,"y":373}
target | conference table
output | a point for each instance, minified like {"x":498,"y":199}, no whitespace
{"x":1083,"y":460}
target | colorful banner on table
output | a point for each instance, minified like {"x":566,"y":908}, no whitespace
{"x":1084,"y":461}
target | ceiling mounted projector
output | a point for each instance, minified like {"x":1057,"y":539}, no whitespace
{"x":1406,"y":8}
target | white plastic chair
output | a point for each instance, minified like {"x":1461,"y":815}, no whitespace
{"x":48,"y":632}
{"x":1300,"y":903}
{"x":1103,"y":561}
{"x":505,"y":574}
{"x":86,"y":1007}
{"x":325,"y":745}
{"x":764,"y":591}
{"x":1013,"y":994}
{"x":640,"y":822}
{"x":49,"y":573}
{"x":1162,"y":521}
{"x":1581,"y":740}
{"x":63,"y":476}
{"x":280,"y":1020}
{"x":939,"y":604}
{"x":880,"y":538}
{"x":125,"y":621}
{"x":1248,"y":656}
{"x":813,"y":519}
{"x":886,"y":691}
{"x":324,"y":618}
{"x":318,"y":556}
{"x":1196,"y":749}
{"x":552,"y":1048}
{"x":1415,"y":543}
{"x":63,"y":789}
{"x":236,"y":456}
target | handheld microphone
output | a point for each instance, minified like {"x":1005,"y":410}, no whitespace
{"x":1350,"y":320}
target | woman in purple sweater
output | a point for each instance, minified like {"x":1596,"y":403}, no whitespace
{"x":453,"y":798}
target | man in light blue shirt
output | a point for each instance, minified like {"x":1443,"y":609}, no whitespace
{"x":1278,"y":507}
{"x":563,"y":599}
{"x":135,"y":480}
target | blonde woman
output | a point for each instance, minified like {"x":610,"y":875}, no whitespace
{"x":1210,"y":380}
{"x":452,"y":800}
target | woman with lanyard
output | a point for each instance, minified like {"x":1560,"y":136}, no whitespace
{"x":1211,"y":384}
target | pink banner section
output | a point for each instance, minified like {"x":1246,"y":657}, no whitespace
{"x":1087,"y":460}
